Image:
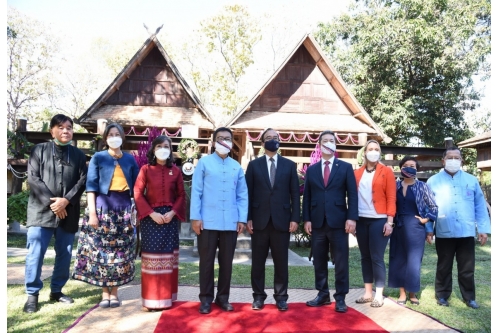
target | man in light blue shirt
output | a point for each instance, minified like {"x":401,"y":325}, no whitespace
{"x":219,"y":208}
{"x":461,"y":209}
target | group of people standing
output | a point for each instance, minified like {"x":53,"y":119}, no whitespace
{"x":367,"y":202}
{"x":106,"y":251}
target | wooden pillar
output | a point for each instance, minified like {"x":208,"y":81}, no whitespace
{"x":17,"y":183}
{"x":448,"y":142}
{"x":21,"y":125}
{"x":362,"y":138}
{"x":101,"y":126}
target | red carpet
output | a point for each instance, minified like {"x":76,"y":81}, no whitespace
{"x":184,"y":317}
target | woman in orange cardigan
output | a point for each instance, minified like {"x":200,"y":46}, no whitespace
{"x":377,"y":208}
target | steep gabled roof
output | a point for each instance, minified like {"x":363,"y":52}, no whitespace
{"x":313,"y":114}
{"x":167,"y":91}
{"x":476,"y":141}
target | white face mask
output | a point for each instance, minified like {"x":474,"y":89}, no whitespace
{"x":162,"y":154}
{"x":327,"y":151}
{"x":373,"y":155}
{"x":222,"y":149}
{"x":452,"y":166}
{"x":114,"y":142}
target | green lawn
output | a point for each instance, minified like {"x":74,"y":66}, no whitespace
{"x":457,"y":315}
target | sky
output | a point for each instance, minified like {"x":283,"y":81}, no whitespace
{"x":83,"y":21}
{"x":109,"y":18}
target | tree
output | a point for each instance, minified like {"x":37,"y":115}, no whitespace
{"x":31,"y":51}
{"x":410,"y":63}
{"x":221,"y":53}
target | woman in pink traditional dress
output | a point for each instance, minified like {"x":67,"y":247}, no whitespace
{"x":161,"y":202}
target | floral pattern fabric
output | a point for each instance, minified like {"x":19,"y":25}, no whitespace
{"x":105,"y":255}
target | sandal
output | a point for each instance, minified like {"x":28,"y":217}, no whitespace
{"x":414,"y":302}
{"x":376,"y":304}
{"x":104,"y":303}
{"x":403,"y":302}
{"x":114,"y":302}
{"x":364,"y":300}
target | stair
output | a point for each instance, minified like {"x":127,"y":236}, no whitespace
{"x":243,"y":249}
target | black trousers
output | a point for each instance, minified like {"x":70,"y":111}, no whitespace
{"x":372,"y":244}
{"x":277,"y":241}
{"x":322,"y":239}
{"x":464,"y":250}
{"x":208,"y":242}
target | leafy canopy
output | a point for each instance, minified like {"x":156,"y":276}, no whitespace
{"x":410,"y":63}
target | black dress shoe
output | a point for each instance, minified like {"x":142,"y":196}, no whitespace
{"x":257,"y":305}
{"x":60,"y":297}
{"x":472,"y":304}
{"x":319,"y":301}
{"x":442,"y":302}
{"x":340,"y":306}
{"x":282,"y":305}
{"x":224,"y":305}
{"x":31,"y":304}
{"x":205,"y":308}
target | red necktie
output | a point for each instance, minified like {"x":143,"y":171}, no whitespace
{"x":326,"y":173}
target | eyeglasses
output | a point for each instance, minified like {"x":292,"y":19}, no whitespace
{"x":225,"y":139}
{"x":453,"y":158}
{"x":269,"y":138}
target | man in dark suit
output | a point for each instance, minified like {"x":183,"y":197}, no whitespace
{"x":273,"y":213}
{"x":330,"y":219}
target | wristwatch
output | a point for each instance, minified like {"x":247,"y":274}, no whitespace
{"x":391,"y":224}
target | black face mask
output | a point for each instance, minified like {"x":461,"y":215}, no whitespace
{"x":272,"y":145}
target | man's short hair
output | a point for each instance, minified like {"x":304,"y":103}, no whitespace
{"x":221,"y":129}
{"x":264,"y":134}
{"x":325,"y":133}
{"x":450,"y":149}
{"x":59,"y":119}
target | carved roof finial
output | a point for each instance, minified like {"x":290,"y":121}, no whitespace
{"x":155,"y":33}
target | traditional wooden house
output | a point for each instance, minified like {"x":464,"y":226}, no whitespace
{"x":150,"y":91}
{"x":304,"y":97}
{"x":482,"y":144}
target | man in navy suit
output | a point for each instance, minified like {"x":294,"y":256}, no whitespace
{"x":273,"y":213}
{"x":329,"y":218}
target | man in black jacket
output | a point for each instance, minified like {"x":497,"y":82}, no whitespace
{"x":273,"y":213}
{"x":57,"y":173}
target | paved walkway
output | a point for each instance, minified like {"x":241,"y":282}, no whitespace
{"x":130,"y":318}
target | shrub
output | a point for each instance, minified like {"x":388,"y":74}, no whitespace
{"x":17,"y":207}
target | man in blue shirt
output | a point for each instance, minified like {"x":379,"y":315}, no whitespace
{"x":461,"y":209}
{"x":219,"y":207}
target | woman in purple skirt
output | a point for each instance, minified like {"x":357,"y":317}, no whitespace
{"x":105,"y":255}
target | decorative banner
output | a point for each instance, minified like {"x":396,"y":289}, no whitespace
{"x":147,"y":131}
{"x":305,"y":136}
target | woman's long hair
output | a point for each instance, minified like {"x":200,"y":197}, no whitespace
{"x":151,"y":152}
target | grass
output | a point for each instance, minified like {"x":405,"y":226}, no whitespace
{"x":19,"y":241}
{"x":457,"y":315}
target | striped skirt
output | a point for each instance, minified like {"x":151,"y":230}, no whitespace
{"x":160,"y":261}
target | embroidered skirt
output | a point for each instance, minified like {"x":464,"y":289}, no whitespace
{"x":105,"y":255}
{"x":160,"y":261}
